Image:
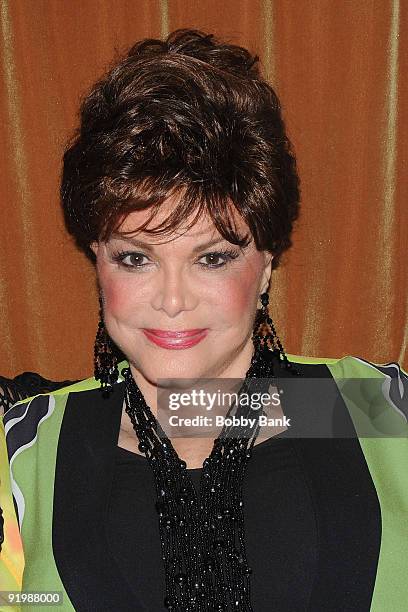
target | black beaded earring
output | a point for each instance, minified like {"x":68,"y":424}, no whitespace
{"x":105,"y":358}
{"x":1,"y":528}
{"x":261,"y":335}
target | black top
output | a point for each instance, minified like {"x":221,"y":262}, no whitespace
{"x":288,"y":527}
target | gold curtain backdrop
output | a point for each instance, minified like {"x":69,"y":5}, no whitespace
{"x":339,"y":68}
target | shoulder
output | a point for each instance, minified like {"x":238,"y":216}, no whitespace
{"x":57,"y":396}
{"x":352,"y":365}
{"x":377,"y":389}
{"x":39,"y":418}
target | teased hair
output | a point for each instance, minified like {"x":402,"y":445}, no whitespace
{"x":190,"y":116}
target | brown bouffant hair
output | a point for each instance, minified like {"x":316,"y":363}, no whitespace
{"x":189,"y":116}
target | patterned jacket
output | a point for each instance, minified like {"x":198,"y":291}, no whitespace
{"x":57,"y":459}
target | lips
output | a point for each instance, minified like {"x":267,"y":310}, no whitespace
{"x":175,"y":339}
{"x":185,"y":333}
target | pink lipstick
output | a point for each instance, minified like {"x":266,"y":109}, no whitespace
{"x":175,"y":339}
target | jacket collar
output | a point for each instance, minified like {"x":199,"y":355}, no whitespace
{"x":83,"y":480}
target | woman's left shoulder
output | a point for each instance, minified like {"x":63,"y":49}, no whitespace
{"x":389,"y":381}
{"x":354,"y":364}
{"x":366,"y":386}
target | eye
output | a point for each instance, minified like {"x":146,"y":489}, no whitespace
{"x":225,"y":256}
{"x":133,"y":259}
{"x":215,"y":260}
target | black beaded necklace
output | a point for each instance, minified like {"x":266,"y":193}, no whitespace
{"x":202,"y":536}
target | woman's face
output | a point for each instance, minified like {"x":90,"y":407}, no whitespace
{"x":183,"y":285}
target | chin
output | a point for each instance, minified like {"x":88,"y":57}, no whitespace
{"x":175,"y":364}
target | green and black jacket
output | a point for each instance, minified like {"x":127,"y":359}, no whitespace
{"x":58,"y":454}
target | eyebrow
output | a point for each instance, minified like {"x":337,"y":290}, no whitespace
{"x":148,"y":247}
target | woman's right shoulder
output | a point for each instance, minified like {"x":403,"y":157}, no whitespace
{"x":37,"y":418}
{"x":46,"y":409}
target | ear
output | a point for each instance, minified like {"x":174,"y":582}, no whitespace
{"x":94,"y":246}
{"x":266,"y":275}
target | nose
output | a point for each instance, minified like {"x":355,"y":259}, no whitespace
{"x":173,"y":294}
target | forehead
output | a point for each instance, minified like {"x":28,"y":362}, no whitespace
{"x":203,"y":226}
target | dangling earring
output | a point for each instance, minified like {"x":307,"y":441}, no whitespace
{"x":105,"y":359}
{"x":1,"y":528}
{"x":260,"y":337}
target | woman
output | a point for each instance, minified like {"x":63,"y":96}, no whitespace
{"x":182,"y":187}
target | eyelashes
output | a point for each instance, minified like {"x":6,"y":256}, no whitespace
{"x":226,"y":255}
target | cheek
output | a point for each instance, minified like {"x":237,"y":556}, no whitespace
{"x":116,"y":297}
{"x":120,"y":295}
{"x":238,"y":296}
